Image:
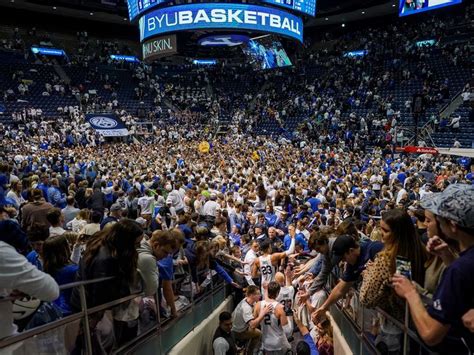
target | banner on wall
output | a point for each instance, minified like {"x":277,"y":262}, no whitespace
{"x":159,"y":47}
{"x":108,"y":125}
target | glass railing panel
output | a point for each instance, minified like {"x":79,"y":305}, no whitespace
{"x":57,"y":341}
{"x":176,"y":330}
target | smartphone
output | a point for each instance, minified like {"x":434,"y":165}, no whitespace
{"x":403,"y":266}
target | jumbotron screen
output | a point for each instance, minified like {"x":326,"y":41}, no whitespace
{"x":266,"y":53}
{"x":138,"y":7}
{"x":412,"y":7}
{"x":305,"y":6}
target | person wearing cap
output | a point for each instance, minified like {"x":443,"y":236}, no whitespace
{"x":440,"y":325}
{"x":356,"y":256}
{"x":114,"y":215}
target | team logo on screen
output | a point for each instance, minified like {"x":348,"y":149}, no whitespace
{"x":103,"y":122}
{"x":223,"y":40}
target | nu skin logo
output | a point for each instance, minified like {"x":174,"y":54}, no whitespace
{"x":103,"y":122}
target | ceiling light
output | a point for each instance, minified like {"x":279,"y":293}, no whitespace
{"x":343,"y":25}
{"x":91,"y":13}
{"x":54,"y":7}
{"x":363,"y":12}
{"x":326,"y":19}
{"x":393,"y":5}
{"x":125,"y":19}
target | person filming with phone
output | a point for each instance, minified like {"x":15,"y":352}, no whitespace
{"x":403,"y":252}
{"x":440,"y":325}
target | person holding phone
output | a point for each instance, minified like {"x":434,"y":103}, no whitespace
{"x":403,"y":252}
{"x":401,"y":248}
{"x":441,"y":324}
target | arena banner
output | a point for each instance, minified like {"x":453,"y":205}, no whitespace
{"x":159,"y":47}
{"x":108,"y":125}
{"x":417,"y":150}
{"x":220,"y":16}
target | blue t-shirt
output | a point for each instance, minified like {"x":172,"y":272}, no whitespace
{"x":401,"y":177}
{"x":452,"y":299}
{"x":299,"y":239}
{"x":312,"y":346}
{"x":65,"y":276}
{"x":165,"y":268}
{"x":368,"y":251}
{"x":33,"y":258}
{"x":314,"y":202}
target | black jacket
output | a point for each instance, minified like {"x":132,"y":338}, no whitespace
{"x":97,"y":201}
{"x":103,"y":265}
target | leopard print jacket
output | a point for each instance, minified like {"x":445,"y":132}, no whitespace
{"x":376,"y":291}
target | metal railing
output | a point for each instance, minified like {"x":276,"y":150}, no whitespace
{"x":362,"y":340}
{"x":85,"y":314}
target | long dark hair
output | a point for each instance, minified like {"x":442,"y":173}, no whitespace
{"x":120,"y":240}
{"x":56,"y":254}
{"x":405,"y":243}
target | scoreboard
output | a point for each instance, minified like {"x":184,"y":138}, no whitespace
{"x":138,"y":7}
{"x":307,"y":7}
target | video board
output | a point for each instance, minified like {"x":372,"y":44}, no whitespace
{"x":305,"y":6}
{"x":220,"y":16}
{"x":411,"y":7}
{"x":266,"y":53}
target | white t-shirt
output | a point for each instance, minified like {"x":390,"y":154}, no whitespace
{"x":16,"y":273}
{"x":241,"y":316}
{"x":146,"y":204}
{"x":53,"y":231}
{"x":249,"y":261}
{"x":209,"y":208}
{"x":376,"y":181}
{"x":220,"y":346}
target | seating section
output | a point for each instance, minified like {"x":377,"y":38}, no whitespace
{"x":323,"y":89}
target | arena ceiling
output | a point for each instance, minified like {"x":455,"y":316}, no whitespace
{"x":115,"y":11}
{"x":91,"y":14}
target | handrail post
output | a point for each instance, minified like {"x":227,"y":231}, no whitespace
{"x":212,"y":288}
{"x":405,"y":330}
{"x":87,"y":331}
{"x":361,"y":307}
{"x":158,"y":321}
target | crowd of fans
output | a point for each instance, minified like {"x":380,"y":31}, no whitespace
{"x":278,"y":219}
{"x":118,"y":209}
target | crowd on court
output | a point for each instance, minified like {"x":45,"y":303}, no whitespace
{"x":265,"y":216}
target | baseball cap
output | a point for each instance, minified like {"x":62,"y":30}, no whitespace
{"x":115,"y":207}
{"x":455,"y":203}
{"x":341,"y":245}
